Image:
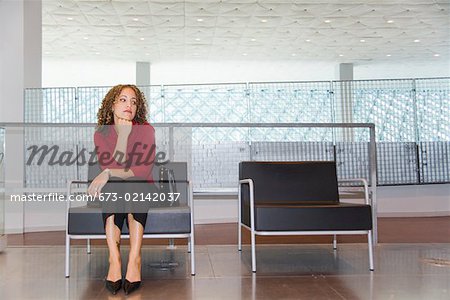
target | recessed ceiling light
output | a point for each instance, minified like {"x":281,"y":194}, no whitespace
{"x":98,"y":53}
{"x":147,"y":54}
{"x":135,"y":19}
{"x":263,"y":21}
{"x":199,"y":20}
{"x":244,"y":54}
{"x":437,"y":54}
{"x":416,"y":41}
{"x":327,"y":21}
{"x":388,"y":55}
{"x":341,"y":55}
{"x":390,"y":21}
{"x":293,"y":54}
{"x":362,"y":41}
{"x":308,"y":41}
{"x":69,"y":18}
{"x":197,"y":39}
{"x":46,"y":52}
{"x":142,"y":38}
{"x":85,"y":38}
{"x":253,"y":40}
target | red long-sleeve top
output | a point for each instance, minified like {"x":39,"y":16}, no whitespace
{"x":141,"y":149}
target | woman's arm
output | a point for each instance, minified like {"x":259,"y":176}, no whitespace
{"x":123,"y":128}
{"x":110,"y":166}
{"x":144,"y":167}
{"x":112,"y":153}
{"x":99,"y":182}
{"x":122,"y":173}
{"x":120,"y":151}
{"x":146,"y":135}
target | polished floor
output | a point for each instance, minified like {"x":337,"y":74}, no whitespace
{"x":403,"y":271}
{"x":412,"y":261}
{"x":390,"y":230}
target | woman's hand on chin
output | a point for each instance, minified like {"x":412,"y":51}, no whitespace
{"x":123,"y":126}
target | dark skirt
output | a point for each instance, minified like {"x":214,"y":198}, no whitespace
{"x":121,"y":197}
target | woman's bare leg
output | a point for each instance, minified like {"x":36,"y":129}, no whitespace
{"x":113,"y":240}
{"x":134,"y":259}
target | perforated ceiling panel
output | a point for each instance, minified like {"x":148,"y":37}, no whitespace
{"x":338,"y":30}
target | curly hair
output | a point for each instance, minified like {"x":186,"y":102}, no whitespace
{"x":105,"y":115}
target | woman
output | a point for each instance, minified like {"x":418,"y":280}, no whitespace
{"x":124,"y":143}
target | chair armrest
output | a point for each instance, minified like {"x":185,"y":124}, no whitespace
{"x":365,"y":184}
{"x":248,"y":181}
{"x":166,"y":181}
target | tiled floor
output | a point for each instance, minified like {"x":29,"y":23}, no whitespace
{"x":403,"y":271}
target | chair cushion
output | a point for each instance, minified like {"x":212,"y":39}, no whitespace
{"x":162,"y":220}
{"x":301,"y":217}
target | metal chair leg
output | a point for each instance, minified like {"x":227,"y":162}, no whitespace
{"x":67,"y":267}
{"x":253,"y":252}
{"x":88,"y":242}
{"x":334,"y":242}
{"x":370,"y":244}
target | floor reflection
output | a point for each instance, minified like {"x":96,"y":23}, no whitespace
{"x":402,"y":271}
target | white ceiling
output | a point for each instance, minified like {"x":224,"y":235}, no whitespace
{"x":335,"y":30}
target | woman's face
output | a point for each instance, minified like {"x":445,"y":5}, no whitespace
{"x":125,"y":105}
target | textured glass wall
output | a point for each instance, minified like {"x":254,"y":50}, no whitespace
{"x":51,"y":105}
{"x":433,"y":109}
{"x":205,"y":103}
{"x":412,"y":118}
{"x":388,"y":104}
{"x":291,"y":102}
{"x":433,"y":129}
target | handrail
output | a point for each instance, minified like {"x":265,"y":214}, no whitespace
{"x":282,"y":125}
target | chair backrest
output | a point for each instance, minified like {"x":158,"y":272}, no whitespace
{"x":93,"y":170}
{"x":311,"y":182}
{"x":179,"y":172}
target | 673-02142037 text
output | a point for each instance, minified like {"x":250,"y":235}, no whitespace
{"x":129,"y":197}
{"x":140,"y":197}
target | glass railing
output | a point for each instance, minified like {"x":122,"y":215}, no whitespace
{"x":57,"y":153}
{"x":2,"y":190}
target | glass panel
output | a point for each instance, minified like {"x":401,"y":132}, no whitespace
{"x":2,"y":183}
{"x":389,"y":104}
{"x":205,"y":103}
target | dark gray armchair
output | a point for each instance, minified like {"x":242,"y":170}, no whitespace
{"x":85,"y":222}
{"x":298,"y":198}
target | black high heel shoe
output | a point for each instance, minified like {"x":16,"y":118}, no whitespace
{"x":113,"y":286}
{"x":129,"y":287}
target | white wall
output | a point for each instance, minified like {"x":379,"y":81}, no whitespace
{"x":240,"y":71}
{"x":11,"y":61}
{"x":64,"y":72}
{"x":73,"y":73}
{"x":12,"y":78}
{"x":414,"y":200}
{"x":435,"y":67}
